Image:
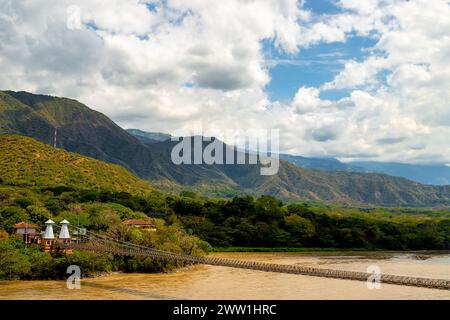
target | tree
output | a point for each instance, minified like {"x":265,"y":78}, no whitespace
{"x":76,"y":215}
{"x":241,"y":207}
{"x":23,"y":202}
{"x":42,"y":265}
{"x":302,"y":210}
{"x":13,"y":263}
{"x":244,"y":233}
{"x":10,"y":216}
{"x":299,"y":228}
{"x":90,"y":263}
{"x":262,"y":233}
{"x":102,"y":217}
{"x":55,"y":205}
{"x":269,"y":209}
{"x":38,"y":214}
{"x":188,"y":194}
{"x":188,"y":206}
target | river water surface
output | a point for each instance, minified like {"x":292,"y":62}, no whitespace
{"x":217,"y":283}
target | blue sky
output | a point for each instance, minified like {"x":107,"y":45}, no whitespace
{"x":322,"y":6}
{"x":315,"y":65}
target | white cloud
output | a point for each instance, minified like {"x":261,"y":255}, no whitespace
{"x":190,"y":61}
{"x":308,"y":100}
{"x":356,"y":74}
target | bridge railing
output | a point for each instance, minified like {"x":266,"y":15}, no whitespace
{"x":100,"y":243}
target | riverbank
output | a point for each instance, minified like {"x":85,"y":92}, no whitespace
{"x":290,"y":249}
{"x":322,"y":250}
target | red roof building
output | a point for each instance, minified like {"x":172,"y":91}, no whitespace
{"x":25,"y":226}
{"x":29,"y":231}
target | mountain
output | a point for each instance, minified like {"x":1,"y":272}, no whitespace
{"x":79,"y":129}
{"x":90,"y":133}
{"x":434,"y":174}
{"x":149,"y":137}
{"x":293,"y":183}
{"x":85,"y":131}
{"x":16,"y":117}
{"x":325,"y":164}
{"x":25,"y":161}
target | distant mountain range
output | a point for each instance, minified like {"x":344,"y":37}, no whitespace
{"x":85,"y":131}
{"x":434,"y":174}
{"x":149,"y":137}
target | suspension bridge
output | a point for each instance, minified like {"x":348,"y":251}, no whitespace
{"x":104,"y":244}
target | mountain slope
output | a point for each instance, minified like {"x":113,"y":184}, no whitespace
{"x":85,"y":131}
{"x":293,"y":183}
{"x":16,"y":117}
{"x":325,"y":164}
{"x":88,"y":132}
{"x":345,"y":187}
{"x":434,"y":174}
{"x":28,"y":162}
{"x":149,"y":137}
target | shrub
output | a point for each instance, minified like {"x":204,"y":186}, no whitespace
{"x":38,"y":214}
{"x":10,"y":216}
{"x":14,"y":264}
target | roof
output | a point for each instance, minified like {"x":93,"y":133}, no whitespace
{"x":138,"y":222}
{"x":49,"y":221}
{"x":64,"y":222}
{"x":22,"y":224}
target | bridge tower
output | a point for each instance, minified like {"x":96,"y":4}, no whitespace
{"x":64,"y":233}
{"x":48,"y":239}
{"x":64,"y":236}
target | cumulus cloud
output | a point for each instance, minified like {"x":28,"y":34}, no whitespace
{"x":168,"y":65}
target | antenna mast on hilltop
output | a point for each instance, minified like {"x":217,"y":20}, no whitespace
{"x":54,"y":140}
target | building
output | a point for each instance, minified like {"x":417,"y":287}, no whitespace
{"x":48,"y":239}
{"x":29,"y":232}
{"x":141,"y":224}
{"x":64,"y":237}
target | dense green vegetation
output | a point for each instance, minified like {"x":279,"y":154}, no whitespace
{"x":27,"y":162}
{"x":267,"y":222}
{"x":241,"y":221}
{"x":20,"y":262}
{"x":38,"y":205}
{"x":188,"y":224}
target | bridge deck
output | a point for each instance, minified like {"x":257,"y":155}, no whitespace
{"x":267,"y":267}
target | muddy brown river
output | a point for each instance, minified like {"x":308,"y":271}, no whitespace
{"x":217,"y":283}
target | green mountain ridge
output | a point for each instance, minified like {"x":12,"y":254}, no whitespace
{"x":90,"y":133}
{"x":27,"y":162}
{"x":425,"y":173}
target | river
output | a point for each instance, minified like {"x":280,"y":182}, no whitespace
{"x":217,"y":283}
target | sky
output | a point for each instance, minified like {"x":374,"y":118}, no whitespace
{"x":351,"y":79}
